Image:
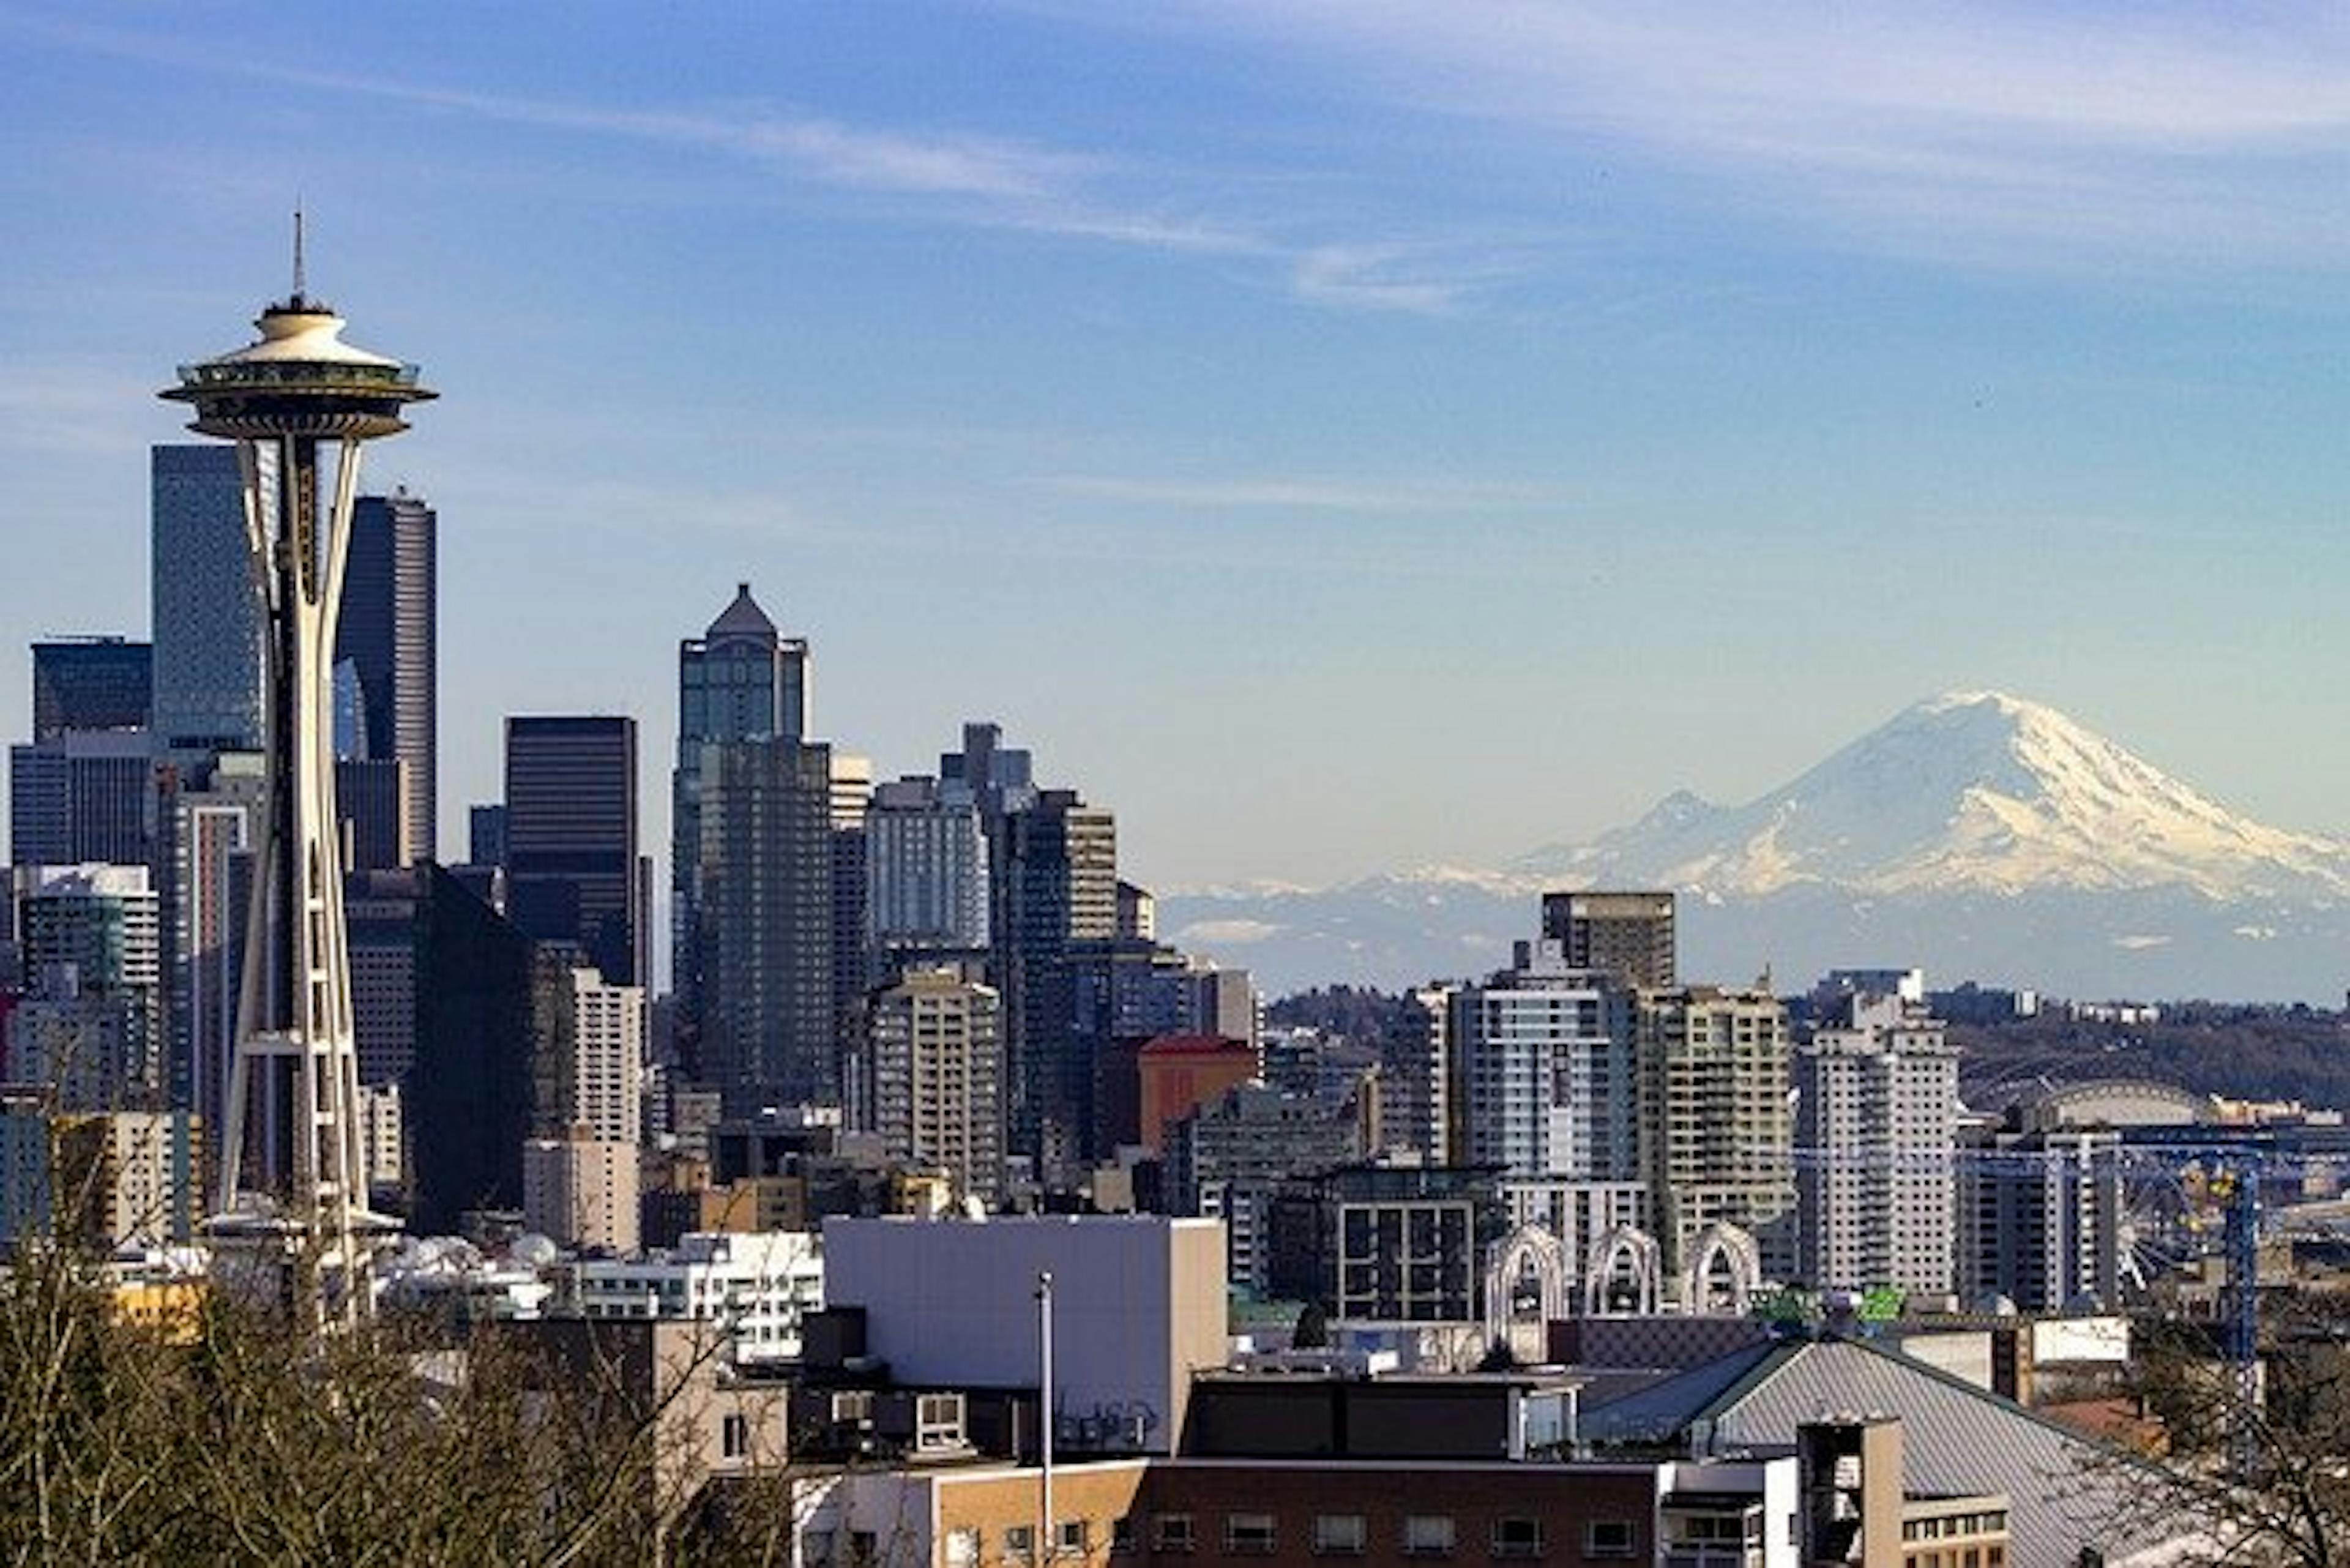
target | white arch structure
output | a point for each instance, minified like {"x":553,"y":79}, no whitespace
{"x":1529,"y":1249}
{"x":1611,"y":1253}
{"x":1726,"y":1246}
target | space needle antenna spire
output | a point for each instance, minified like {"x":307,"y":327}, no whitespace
{"x":299,"y":402}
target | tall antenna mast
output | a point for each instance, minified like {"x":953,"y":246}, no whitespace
{"x":297,"y":252}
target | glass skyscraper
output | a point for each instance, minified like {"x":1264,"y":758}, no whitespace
{"x":207,"y":616}
{"x":91,"y":683}
{"x":388,"y":639}
{"x":740,"y":681}
{"x":571,"y":838}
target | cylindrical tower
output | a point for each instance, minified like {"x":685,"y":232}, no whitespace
{"x":291,"y":1179}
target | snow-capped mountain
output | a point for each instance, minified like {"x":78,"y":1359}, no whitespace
{"x":1969,"y":792}
{"x":1975,"y":833}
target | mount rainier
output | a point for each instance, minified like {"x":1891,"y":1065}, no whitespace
{"x":1977,"y":835}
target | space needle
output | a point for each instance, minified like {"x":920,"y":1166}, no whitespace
{"x":293,"y":1190}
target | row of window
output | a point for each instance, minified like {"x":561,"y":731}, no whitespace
{"x":1245,"y":1534}
{"x":1348,"y":1535}
{"x":1954,"y":1526}
{"x":1951,"y":1557}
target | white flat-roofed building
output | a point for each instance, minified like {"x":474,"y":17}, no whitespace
{"x":1138,"y":1305}
{"x":757,"y":1285}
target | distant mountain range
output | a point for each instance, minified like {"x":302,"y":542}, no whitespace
{"x":1977,"y":835}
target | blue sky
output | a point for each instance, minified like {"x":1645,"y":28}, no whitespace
{"x":1336,"y":435}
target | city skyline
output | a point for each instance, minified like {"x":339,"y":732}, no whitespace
{"x":1382,"y":415}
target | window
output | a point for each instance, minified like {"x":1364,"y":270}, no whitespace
{"x":1071,"y":1536}
{"x":1122,"y":1535}
{"x":816,"y":1546}
{"x":735,"y":1436}
{"x":1020,"y":1543}
{"x":1608,"y":1538}
{"x":1428,"y":1535}
{"x":1338,"y":1534}
{"x":1248,"y":1535}
{"x":1171,"y":1532}
{"x":1517,"y":1537}
{"x":962,"y":1548}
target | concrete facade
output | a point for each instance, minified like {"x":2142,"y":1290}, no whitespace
{"x":1139,"y":1306}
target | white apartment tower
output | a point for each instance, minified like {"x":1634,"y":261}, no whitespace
{"x":606,"y":1066}
{"x":1877,"y":1122}
{"x":1541,"y":1064}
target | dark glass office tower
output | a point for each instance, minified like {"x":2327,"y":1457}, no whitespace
{"x":763,"y":930}
{"x":571,"y":838}
{"x":741,"y":679}
{"x":482,"y":1027}
{"x":207,"y":616}
{"x":91,"y":683}
{"x":1056,"y":876}
{"x":388,"y":635}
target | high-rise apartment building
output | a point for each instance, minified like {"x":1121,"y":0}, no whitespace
{"x":572,"y":872}
{"x":1627,"y":935}
{"x":207,"y":617}
{"x":2039,"y":1217}
{"x":1416,"y":1081}
{"x":1227,"y":1158}
{"x":1542,"y":1066}
{"x":211,"y":820}
{"x":1877,"y":1120}
{"x":581,"y":1192}
{"x":926,"y":887}
{"x":604,"y":1060}
{"x":389,"y":635}
{"x":762,"y":942}
{"x":933,"y":1077}
{"x":1715,"y":1135}
{"x":92,"y":1024}
{"x":91,"y":683}
{"x":742,"y":680}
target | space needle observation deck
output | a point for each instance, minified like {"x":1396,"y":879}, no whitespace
{"x":298,"y":402}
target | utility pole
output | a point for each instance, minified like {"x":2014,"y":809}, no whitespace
{"x":1045,"y":1414}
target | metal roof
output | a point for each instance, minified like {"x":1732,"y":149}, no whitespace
{"x":2064,"y":1490}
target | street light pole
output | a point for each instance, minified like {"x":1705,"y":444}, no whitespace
{"x":1045,"y":1414}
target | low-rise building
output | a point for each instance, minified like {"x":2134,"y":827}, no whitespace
{"x":755,"y":1288}
{"x":1138,"y":1306}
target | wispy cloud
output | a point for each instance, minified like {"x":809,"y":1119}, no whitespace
{"x":2168,"y":129}
{"x":1294,"y":493}
{"x":964,"y":178}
